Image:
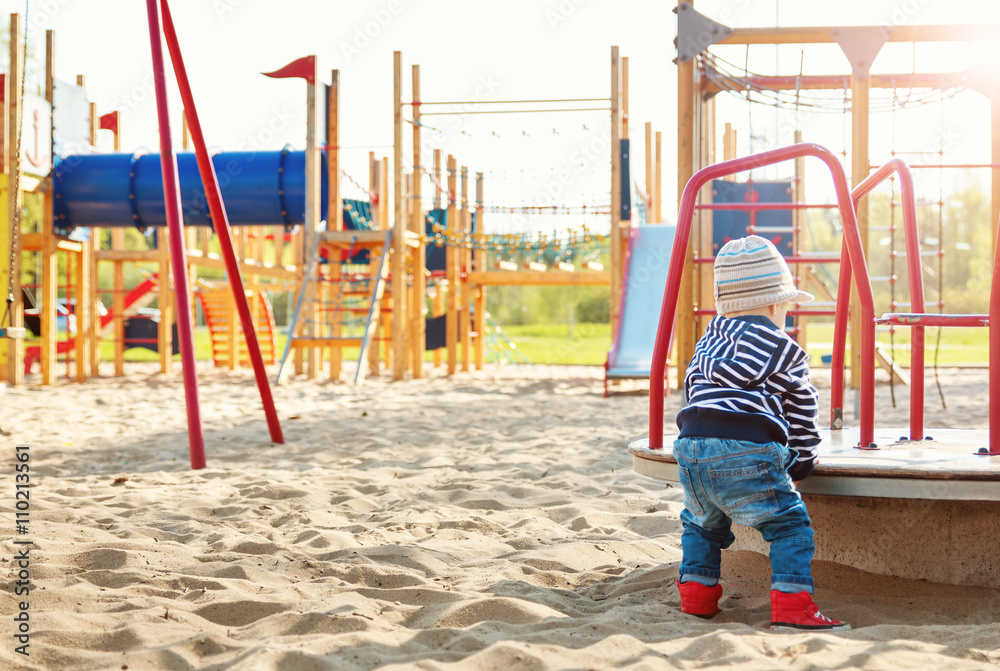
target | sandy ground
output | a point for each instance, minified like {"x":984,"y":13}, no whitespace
{"x":487,"y":521}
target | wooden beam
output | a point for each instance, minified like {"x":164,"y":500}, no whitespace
{"x":658,"y":195}
{"x":684,"y":334}
{"x":479,"y":263}
{"x":418,"y":326}
{"x":451,"y":269}
{"x":617,"y":257}
{"x":399,"y":224}
{"x":465,"y":256}
{"x":900,"y":33}
{"x":860,"y":162}
{"x":334,"y":205}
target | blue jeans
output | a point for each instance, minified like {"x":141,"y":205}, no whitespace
{"x":728,"y":480}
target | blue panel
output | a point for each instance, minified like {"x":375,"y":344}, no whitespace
{"x":626,"y":183}
{"x":435,"y":259}
{"x":732,"y":224}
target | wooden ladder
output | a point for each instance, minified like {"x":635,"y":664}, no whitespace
{"x":229,"y":347}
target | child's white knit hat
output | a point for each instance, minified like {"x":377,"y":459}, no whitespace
{"x":750,"y":274}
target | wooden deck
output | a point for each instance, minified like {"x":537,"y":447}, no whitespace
{"x":945,"y":467}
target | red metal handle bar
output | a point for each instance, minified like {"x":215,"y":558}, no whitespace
{"x":685,"y":215}
{"x":912,"y":244}
{"x":788,"y":259}
{"x":914,"y":319}
{"x":764,"y":206}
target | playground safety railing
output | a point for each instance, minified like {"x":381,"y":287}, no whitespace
{"x":852,"y":243}
{"x":912,"y":244}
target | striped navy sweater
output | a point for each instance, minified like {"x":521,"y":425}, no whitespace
{"x":749,"y":381}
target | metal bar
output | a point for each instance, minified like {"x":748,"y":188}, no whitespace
{"x":220,"y":219}
{"x":172,"y":203}
{"x":788,"y":259}
{"x":814,"y":82}
{"x":932,"y":319}
{"x":421,"y":103}
{"x":912,"y":244}
{"x":671,"y":293}
{"x":764,"y":206}
{"x":578,"y":109}
{"x":814,"y":313}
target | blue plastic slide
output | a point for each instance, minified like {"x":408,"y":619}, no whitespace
{"x":646,"y":262}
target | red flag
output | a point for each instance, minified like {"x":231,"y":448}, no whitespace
{"x":304,"y":67}
{"x":109,"y":121}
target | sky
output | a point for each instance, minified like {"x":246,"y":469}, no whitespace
{"x":513,"y":50}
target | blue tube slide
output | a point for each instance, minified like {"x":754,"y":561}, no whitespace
{"x":108,"y":190}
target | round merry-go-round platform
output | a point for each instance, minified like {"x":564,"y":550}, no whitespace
{"x":925,"y":509}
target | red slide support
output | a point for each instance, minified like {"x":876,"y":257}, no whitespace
{"x":852,"y":242}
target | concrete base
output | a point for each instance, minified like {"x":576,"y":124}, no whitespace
{"x":951,"y":542}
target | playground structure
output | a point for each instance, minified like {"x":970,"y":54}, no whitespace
{"x":359,"y":278}
{"x":702,"y":77}
{"x":886,"y":500}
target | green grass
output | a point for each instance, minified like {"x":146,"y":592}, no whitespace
{"x":957,"y":345}
{"x":579,"y":344}
{"x":588,"y":344}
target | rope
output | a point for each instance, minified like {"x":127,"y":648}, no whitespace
{"x":16,"y":223}
{"x":940,"y":273}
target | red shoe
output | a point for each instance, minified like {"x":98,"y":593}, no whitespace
{"x":699,"y":600}
{"x":797,"y":612}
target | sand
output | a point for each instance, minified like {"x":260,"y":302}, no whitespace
{"x":490,"y":520}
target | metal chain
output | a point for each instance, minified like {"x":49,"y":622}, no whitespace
{"x":15,"y":192}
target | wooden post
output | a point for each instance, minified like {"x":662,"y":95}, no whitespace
{"x":859,"y":172}
{"x":437,"y":178}
{"x":312,"y":218}
{"x":649,"y":172}
{"x":798,"y":224}
{"x":451,"y":269}
{"x":50,"y":266}
{"x":50,"y":282}
{"x":479,"y":263}
{"x":439,"y":304}
{"x":399,"y":224}
{"x":334,"y":205}
{"x":704,"y":220}
{"x":465,"y":254}
{"x":995,"y":159}
{"x":658,"y":181}
{"x":12,"y":253}
{"x":621,"y":225}
{"x":684,"y":334}
{"x":118,"y":285}
{"x":91,"y":248}
{"x":418,"y":328}
{"x":617,"y":257}
{"x":164,"y":300}
{"x":378,"y":202}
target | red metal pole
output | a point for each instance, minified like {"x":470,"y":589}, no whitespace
{"x":840,"y":340}
{"x":912,"y":242}
{"x":220,"y":220}
{"x":178,"y":257}
{"x":994,"y":397}
{"x":852,"y":242}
